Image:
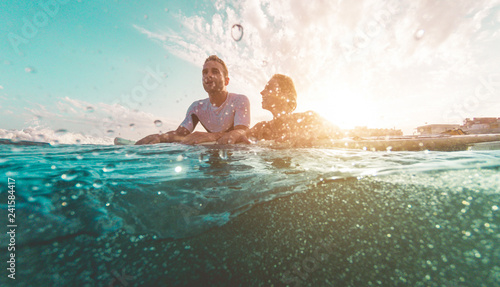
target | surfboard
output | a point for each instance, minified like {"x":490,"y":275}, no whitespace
{"x":419,"y":143}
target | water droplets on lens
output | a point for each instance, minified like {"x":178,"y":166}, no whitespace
{"x":109,"y":168}
{"x":69,"y":176}
{"x":419,"y":34}
{"x":237,"y":32}
{"x":158,"y":123}
{"x":97,"y":183}
{"x":30,"y":70}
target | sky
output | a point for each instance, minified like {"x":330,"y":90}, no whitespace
{"x":132,"y":68}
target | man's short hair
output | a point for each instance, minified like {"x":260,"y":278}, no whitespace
{"x":218,"y":60}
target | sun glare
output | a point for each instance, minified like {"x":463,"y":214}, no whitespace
{"x":346,"y":107}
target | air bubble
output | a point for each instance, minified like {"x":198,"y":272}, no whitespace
{"x":110,"y":133}
{"x":158,"y":123}
{"x":419,"y":34}
{"x":237,"y":32}
{"x":131,"y":126}
{"x":90,"y":109}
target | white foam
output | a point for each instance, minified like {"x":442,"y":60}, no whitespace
{"x":39,"y":134}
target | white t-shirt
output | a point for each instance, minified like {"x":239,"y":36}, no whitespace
{"x":233,"y":112}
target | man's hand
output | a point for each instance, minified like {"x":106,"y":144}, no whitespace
{"x":151,"y":139}
{"x":170,"y":137}
{"x":200,"y":137}
{"x":233,"y":137}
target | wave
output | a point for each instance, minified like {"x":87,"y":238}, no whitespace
{"x":61,"y":136}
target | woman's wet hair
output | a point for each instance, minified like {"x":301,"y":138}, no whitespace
{"x":287,"y":92}
{"x":218,"y":60}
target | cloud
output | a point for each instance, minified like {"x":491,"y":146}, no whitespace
{"x":371,"y":46}
{"x":100,"y":120}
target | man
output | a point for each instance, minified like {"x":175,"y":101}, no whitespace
{"x":225,"y":116}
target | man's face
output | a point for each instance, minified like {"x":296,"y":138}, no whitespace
{"x":213,"y":77}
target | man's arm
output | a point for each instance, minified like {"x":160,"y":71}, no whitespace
{"x":238,"y":135}
{"x":169,"y":137}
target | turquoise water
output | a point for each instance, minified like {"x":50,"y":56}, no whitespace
{"x":175,"y":215}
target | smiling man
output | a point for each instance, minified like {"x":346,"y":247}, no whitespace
{"x":225,"y":116}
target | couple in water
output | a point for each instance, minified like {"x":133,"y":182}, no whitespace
{"x":226,"y":116}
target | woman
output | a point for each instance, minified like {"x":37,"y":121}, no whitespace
{"x":280,"y":98}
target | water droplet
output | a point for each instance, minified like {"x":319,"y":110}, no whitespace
{"x":237,"y":32}
{"x":109,"y":168}
{"x":419,"y":34}
{"x":69,"y":176}
{"x":60,"y":132}
{"x":110,"y":133}
{"x":223,"y":154}
{"x":30,"y":70}
{"x":97,"y":183}
{"x":158,"y":123}
{"x":131,"y":126}
{"x":90,"y":109}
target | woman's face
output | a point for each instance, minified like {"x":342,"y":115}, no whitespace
{"x":270,"y":96}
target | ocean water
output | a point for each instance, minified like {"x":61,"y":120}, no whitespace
{"x":250,"y":215}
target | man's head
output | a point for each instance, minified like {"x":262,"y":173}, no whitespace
{"x":215,"y":76}
{"x":279,"y":95}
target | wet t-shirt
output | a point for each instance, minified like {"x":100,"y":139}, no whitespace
{"x":233,"y":112}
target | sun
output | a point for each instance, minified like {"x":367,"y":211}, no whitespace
{"x":346,"y":107}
